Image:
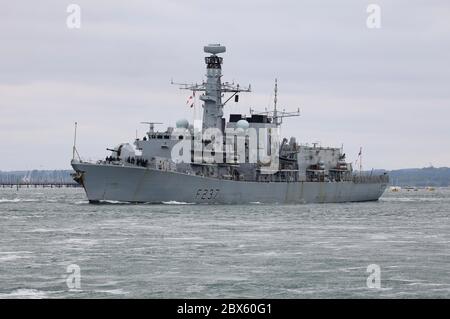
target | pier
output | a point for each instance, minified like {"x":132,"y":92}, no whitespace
{"x":39,"y":185}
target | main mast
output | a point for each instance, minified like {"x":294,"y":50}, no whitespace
{"x":214,"y":89}
{"x":213,"y":108}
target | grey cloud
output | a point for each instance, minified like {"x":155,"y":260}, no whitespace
{"x":386,"y":89}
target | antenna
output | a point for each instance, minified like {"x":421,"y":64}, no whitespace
{"x":214,"y":49}
{"x":74,"y":150}
{"x":151,"y":125}
{"x":74,"y":140}
{"x":360,"y":161}
{"x":275,"y":103}
{"x":275,"y":115}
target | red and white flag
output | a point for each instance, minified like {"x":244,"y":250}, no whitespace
{"x":190,"y":101}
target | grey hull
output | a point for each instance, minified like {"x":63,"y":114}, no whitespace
{"x":137,"y":184}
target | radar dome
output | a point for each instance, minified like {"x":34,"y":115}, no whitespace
{"x":183,"y":123}
{"x":243,"y":124}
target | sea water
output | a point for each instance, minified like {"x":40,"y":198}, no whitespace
{"x":54,"y":244}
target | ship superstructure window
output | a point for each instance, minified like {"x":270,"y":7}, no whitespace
{"x":235,"y":117}
{"x":213,"y":62}
{"x":257,"y":118}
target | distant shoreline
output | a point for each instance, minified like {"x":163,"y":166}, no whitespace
{"x":418,"y":177}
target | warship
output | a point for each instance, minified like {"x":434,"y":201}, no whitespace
{"x":240,"y":161}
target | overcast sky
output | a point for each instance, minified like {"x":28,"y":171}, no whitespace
{"x":386,"y":89}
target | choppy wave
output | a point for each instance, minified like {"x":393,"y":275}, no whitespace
{"x":81,"y":202}
{"x":12,"y":256}
{"x":411,"y":199}
{"x":24,"y":293}
{"x":80,"y":241}
{"x":18,"y":200}
{"x":319,"y":250}
{"x":112,"y":291}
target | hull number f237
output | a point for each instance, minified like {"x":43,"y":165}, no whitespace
{"x":207,"y":194}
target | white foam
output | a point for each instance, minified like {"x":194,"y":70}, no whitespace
{"x":173,"y":202}
{"x":113,"y":291}
{"x":81,"y":202}
{"x":4,"y":200}
{"x":112,"y":202}
{"x":80,"y":241}
{"x":25,"y":293}
{"x":42,"y":230}
{"x":411,"y":199}
{"x":13,"y":255}
{"x":9,"y":258}
{"x":195,"y":288}
{"x":17,"y":200}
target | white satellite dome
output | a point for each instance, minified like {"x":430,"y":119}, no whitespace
{"x":243,"y":124}
{"x":183,"y":123}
